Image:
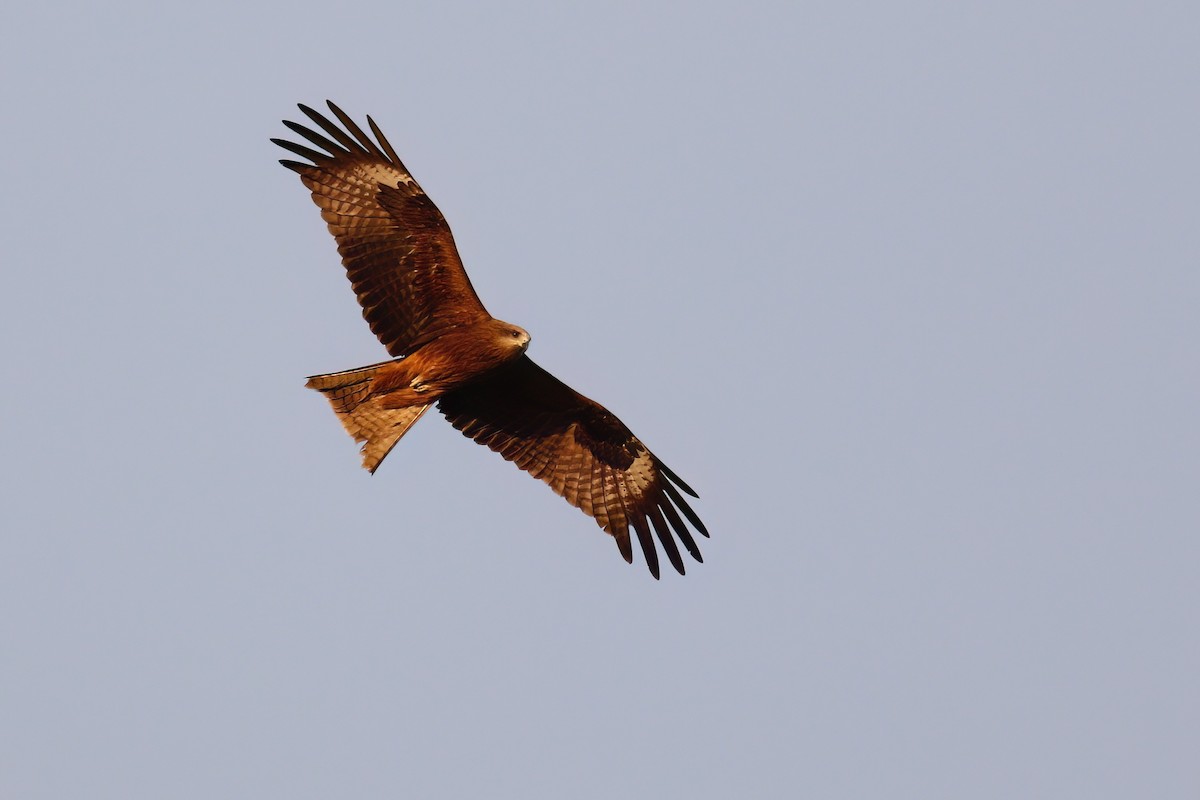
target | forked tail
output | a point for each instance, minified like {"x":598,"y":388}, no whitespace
{"x":362,"y":415}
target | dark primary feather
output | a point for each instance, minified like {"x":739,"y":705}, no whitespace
{"x":583,"y":452}
{"x":397,"y":248}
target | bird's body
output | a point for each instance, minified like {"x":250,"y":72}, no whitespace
{"x":453,"y":359}
{"x":401,"y":259}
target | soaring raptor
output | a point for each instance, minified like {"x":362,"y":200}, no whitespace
{"x":402,"y":262}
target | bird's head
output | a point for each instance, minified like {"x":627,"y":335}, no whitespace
{"x":514,"y":336}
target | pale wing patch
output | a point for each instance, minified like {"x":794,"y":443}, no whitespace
{"x":374,"y":174}
{"x":356,"y":186}
{"x":641,"y":474}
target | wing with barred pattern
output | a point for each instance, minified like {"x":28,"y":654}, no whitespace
{"x":583,"y":452}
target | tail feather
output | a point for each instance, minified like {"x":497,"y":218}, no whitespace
{"x":363,"y":416}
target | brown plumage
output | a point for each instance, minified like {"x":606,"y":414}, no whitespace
{"x":402,"y":262}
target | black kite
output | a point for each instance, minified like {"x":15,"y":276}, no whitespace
{"x":400,"y":257}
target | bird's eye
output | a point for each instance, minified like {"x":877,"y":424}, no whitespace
{"x":516,"y":335}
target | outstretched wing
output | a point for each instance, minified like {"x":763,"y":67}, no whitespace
{"x":583,"y":452}
{"x":397,"y":248}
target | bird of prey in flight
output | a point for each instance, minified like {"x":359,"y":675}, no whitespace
{"x":401,"y":260}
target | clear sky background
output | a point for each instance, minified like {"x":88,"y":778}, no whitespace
{"x":907,"y":291}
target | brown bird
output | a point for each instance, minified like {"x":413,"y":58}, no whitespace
{"x":402,"y":262}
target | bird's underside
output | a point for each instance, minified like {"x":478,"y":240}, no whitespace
{"x":402,"y":262}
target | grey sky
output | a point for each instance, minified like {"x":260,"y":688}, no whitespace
{"x":908,"y":292}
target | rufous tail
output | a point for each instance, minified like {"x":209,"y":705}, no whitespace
{"x":363,"y":415}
